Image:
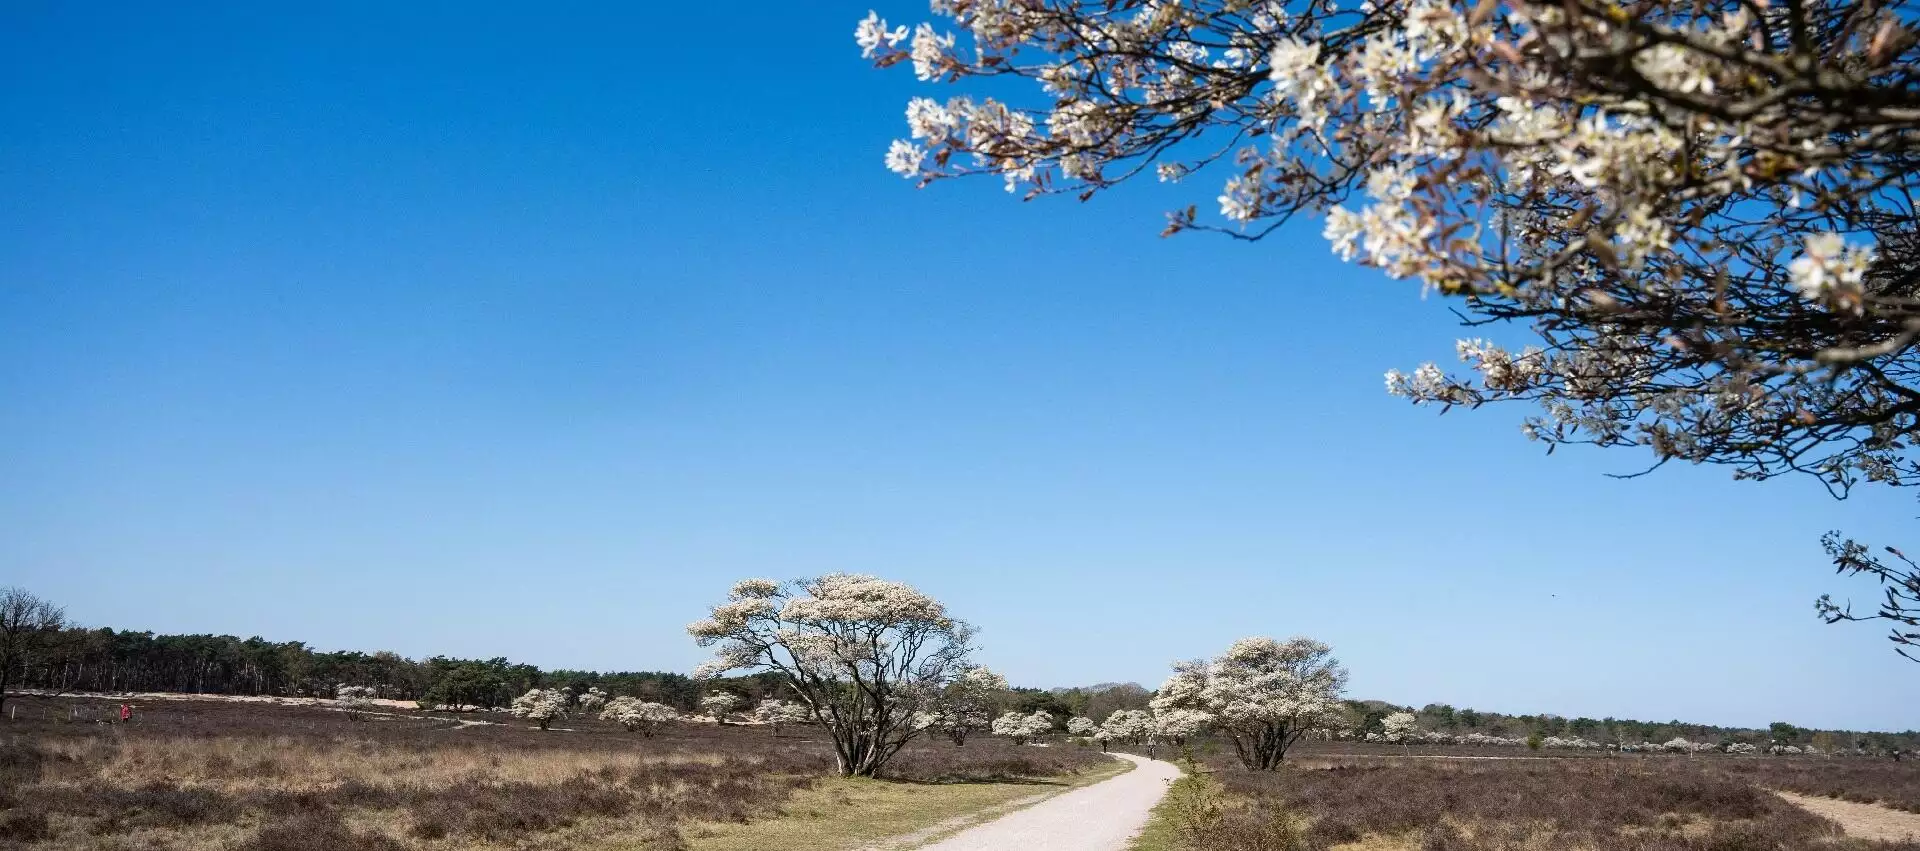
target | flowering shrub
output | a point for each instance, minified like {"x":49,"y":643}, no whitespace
{"x":1742,"y":748}
{"x":965,"y":704}
{"x":1262,"y":694}
{"x":1023,"y":727}
{"x":591,"y":701}
{"x":1399,"y":727}
{"x":868,"y":656}
{"x":638,"y":715}
{"x":1081,"y":725}
{"x":1571,"y":743}
{"x":777,"y":713}
{"x":720,"y":704}
{"x":1176,"y":726}
{"x":542,"y":705}
{"x":354,"y":699}
{"x":1127,"y":725}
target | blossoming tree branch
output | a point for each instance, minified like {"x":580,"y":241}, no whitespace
{"x":1703,"y":212}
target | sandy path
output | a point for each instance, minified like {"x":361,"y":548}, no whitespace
{"x":1101,"y":817}
{"x":1862,"y":821}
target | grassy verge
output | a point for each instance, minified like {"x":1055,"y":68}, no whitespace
{"x":1162,"y":831}
{"x":847,"y":813}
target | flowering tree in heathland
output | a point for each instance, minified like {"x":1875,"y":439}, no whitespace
{"x":777,"y":713}
{"x":639,"y":716}
{"x":721,"y":704}
{"x":867,"y":657}
{"x":1128,"y":725}
{"x":965,"y":704}
{"x":1264,"y":695}
{"x":1023,"y":727}
{"x":354,"y":699}
{"x":1700,"y":213}
{"x":1175,"y":726}
{"x":1080,"y":725}
{"x":591,"y":700}
{"x":1400,"y":727}
{"x":542,"y":705}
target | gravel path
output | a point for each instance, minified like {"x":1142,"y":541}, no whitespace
{"x":1865,"y":821}
{"x":1101,"y":817}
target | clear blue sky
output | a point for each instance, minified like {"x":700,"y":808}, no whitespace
{"x":525,"y":331}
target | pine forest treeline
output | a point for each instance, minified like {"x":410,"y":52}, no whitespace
{"x":105,"y":660}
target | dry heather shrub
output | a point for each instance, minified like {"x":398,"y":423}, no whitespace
{"x":210,"y":775}
{"x":313,"y":831}
{"x":1508,"y":806}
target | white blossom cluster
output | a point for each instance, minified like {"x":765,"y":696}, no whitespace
{"x":1080,"y":725}
{"x":1176,"y":725}
{"x":1023,"y":727}
{"x":354,"y":699}
{"x":1742,"y":748}
{"x":719,"y":705}
{"x":644,"y":717}
{"x":1484,"y":739}
{"x":1126,"y":725}
{"x":591,"y":700}
{"x":542,"y":705}
{"x":1696,"y":212}
{"x":777,"y":713}
{"x":1399,"y":727}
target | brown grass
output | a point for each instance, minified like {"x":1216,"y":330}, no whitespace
{"x":215,"y":776}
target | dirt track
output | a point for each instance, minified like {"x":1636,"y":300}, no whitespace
{"x":1862,"y":821}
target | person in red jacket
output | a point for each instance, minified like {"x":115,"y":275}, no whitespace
{"x":126,"y":712}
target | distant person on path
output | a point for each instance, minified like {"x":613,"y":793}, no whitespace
{"x":126,"y":712}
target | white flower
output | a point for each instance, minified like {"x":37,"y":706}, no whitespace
{"x":904,"y":158}
{"x":1827,"y":264}
{"x":872,"y":32}
{"x":929,"y":51}
{"x":928,"y":119}
{"x":1294,"y":64}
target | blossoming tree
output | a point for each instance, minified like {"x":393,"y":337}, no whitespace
{"x":864,"y":655}
{"x":354,"y":699}
{"x":591,"y":700}
{"x":1023,"y":727}
{"x":643,"y":717}
{"x":1400,"y":727}
{"x":1176,"y":726}
{"x":1702,"y":211}
{"x":1264,"y":695}
{"x":721,"y":704}
{"x":777,"y":713}
{"x":1081,"y":726}
{"x":542,"y":705}
{"x":965,"y":704}
{"x":1128,"y":725}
